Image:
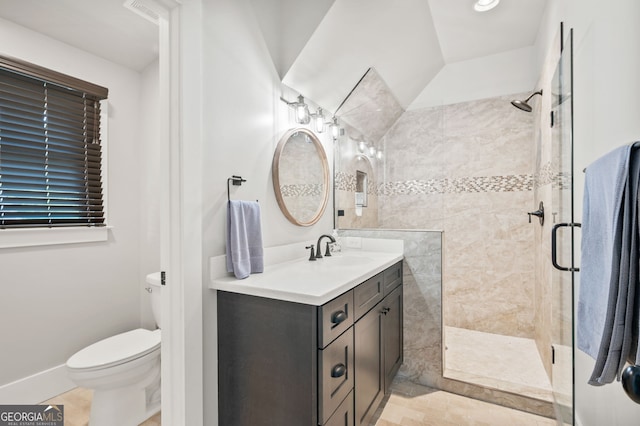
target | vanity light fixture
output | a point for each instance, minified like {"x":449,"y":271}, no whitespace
{"x":335,"y":128}
{"x":318,"y":120}
{"x":362,"y":146}
{"x":379,"y":154}
{"x":301,"y":110}
{"x":372,"y":151}
{"x":485,"y":5}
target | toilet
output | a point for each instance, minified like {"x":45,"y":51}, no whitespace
{"x":123,"y":371}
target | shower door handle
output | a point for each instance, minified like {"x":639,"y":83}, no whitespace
{"x":554,"y":252}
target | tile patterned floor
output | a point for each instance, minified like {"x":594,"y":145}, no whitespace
{"x":408,"y":405}
{"x":77,"y":405}
{"x":414,"y":405}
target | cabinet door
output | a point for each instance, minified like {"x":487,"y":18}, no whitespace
{"x":393,"y":338}
{"x":369,"y":380}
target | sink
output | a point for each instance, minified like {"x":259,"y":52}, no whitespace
{"x":345,"y":260}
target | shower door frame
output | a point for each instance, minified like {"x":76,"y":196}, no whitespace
{"x":563,"y":277}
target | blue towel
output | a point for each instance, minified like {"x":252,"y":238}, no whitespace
{"x":609,"y":272}
{"x":245,"y":254}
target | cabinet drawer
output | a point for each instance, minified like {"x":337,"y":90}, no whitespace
{"x":335,"y":374}
{"x":344,"y":414}
{"x":368,"y":294}
{"x":334,"y":318}
{"x":392,"y":277}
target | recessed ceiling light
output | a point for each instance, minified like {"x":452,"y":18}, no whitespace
{"x":484,"y":5}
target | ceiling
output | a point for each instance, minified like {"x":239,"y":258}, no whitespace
{"x":408,"y":42}
{"x":103,"y":27}
{"x":321,"y":48}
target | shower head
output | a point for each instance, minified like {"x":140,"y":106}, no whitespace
{"x":523,"y":105}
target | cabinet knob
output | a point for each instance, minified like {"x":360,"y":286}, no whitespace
{"x":338,"y":370}
{"x":338,"y":317}
{"x":385,"y":310}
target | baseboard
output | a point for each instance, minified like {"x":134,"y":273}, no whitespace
{"x":37,"y":388}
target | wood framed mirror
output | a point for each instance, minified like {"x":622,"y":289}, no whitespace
{"x":301,"y":177}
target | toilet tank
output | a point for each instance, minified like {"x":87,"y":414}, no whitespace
{"x":155,"y":291}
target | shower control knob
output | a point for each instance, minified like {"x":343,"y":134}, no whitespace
{"x":539,"y":213}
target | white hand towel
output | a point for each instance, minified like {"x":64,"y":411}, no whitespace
{"x":245,"y":254}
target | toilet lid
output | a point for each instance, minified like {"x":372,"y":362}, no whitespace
{"x":116,"y":349}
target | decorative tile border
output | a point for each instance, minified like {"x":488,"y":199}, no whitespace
{"x":509,"y":183}
{"x":563,"y":181}
{"x":301,"y":190}
{"x":544,"y":175}
{"x":548,"y":176}
{"x":347,"y":182}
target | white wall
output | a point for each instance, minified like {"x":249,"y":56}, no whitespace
{"x":606,"y":111}
{"x":243,"y":120}
{"x":57,"y":299}
{"x":150,"y":186}
{"x":486,"y":77}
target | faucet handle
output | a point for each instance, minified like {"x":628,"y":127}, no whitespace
{"x":312,"y":255}
{"x":327,"y":252}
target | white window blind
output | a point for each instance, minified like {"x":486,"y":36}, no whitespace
{"x":50,"y":153}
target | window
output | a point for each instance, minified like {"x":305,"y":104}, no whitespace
{"x":50,"y":151}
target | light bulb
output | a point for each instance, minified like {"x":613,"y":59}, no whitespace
{"x":361,"y":146}
{"x":335,"y":128}
{"x":372,"y":151}
{"x":318,"y":119}
{"x":485,"y":5}
{"x":302,"y":111}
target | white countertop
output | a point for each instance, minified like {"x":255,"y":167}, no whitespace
{"x":311,"y":282}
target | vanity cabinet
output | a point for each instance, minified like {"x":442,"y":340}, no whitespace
{"x":285,"y":363}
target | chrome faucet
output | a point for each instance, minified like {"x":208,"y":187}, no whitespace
{"x":327,"y":252}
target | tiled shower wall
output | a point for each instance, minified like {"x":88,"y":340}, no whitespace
{"x":467,"y":169}
{"x":552,"y":186}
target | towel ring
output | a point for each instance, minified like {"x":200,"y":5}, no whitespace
{"x":237,"y":181}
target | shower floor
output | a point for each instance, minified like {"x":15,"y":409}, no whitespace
{"x":510,"y":364}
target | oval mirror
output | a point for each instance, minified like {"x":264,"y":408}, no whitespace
{"x":301,"y":177}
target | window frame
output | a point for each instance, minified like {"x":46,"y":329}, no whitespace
{"x":46,"y":235}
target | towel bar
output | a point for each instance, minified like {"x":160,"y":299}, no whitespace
{"x":237,"y":181}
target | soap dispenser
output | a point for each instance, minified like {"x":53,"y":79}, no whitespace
{"x":335,"y":247}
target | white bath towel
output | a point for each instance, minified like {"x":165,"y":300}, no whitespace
{"x":245,"y":254}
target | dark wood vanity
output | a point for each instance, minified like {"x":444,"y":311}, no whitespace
{"x":282,"y":363}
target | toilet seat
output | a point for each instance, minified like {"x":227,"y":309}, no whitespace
{"x":116,"y":350}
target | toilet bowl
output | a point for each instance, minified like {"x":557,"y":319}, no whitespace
{"x":123,"y":371}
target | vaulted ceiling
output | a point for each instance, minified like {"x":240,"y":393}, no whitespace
{"x":320,"y":48}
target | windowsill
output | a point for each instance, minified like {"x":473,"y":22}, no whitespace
{"x":29,"y":237}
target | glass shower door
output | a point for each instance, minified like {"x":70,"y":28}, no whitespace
{"x":562,"y":239}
